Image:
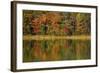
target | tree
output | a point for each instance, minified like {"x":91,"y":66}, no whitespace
{"x":83,"y":23}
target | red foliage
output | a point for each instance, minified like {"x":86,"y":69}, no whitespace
{"x":66,"y":29}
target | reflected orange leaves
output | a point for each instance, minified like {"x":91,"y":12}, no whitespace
{"x":45,"y":55}
{"x":55,"y":50}
{"x":50,"y":53}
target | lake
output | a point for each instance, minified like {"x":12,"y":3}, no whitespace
{"x":56,"y":50}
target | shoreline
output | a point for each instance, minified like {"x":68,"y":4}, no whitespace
{"x":52,"y":37}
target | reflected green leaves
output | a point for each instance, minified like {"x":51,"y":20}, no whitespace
{"x":56,"y":50}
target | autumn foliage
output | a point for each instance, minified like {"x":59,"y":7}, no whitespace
{"x":55,"y":23}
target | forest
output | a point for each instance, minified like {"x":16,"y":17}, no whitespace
{"x":56,"y":23}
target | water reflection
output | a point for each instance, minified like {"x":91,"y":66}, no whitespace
{"x":54,"y":50}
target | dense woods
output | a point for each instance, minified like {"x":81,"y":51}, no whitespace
{"x":56,"y":23}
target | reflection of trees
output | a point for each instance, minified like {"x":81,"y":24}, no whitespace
{"x":27,"y":51}
{"x":83,"y":50}
{"x":50,"y":50}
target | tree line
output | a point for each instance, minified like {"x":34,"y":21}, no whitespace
{"x":56,"y":23}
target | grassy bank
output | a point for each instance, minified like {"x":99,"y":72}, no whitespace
{"x":48,"y":37}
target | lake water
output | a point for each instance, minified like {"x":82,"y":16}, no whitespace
{"x":56,"y":50}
